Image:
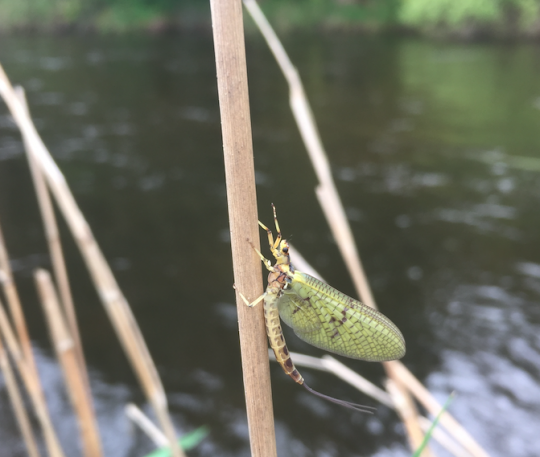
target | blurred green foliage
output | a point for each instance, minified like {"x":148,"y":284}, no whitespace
{"x":370,"y":15}
{"x":458,"y":17}
{"x":101,"y":15}
{"x":497,"y":17}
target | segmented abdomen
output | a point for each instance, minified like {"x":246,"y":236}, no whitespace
{"x":277,"y":340}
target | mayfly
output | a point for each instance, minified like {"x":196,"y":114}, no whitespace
{"x":322,"y":316}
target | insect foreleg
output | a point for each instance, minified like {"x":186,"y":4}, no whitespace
{"x":246,"y":301}
{"x":266,"y":262}
{"x":270,"y":236}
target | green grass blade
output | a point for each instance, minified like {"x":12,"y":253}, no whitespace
{"x":187,"y":442}
{"x":433,"y":425}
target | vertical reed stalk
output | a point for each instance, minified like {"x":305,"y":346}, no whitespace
{"x":17,"y":403}
{"x":67,"y":355}
{"x":111,"y":296}
{"x":240,"y":179}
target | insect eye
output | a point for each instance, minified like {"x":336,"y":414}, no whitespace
{"x":285,"y":250}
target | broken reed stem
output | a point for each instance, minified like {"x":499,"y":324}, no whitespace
{"x":67,"y":356}
{"x":146,"y":425}
{"x":111,"y":296}
{"x":17,"y":403}
{"x":231,"y":71}
{"x":33,"y":386}
{"x":55,"y":247}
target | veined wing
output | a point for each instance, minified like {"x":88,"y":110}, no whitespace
{"x":298,"y":313}
{"x":330,"y":320}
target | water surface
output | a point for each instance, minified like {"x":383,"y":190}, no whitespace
{"x":436,"y":152}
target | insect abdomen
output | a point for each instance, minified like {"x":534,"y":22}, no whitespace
{"x":277,"y":340}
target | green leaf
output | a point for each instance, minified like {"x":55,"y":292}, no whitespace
{"x":433,"y":425}
{"x":187,"y":442}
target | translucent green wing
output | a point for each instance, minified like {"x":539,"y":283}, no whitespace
{"x":298,"y":313}
{"x":328,"y":319}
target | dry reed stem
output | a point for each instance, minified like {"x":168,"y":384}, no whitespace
{"x":112,"y":298}
{"x":32,"y":385}
{"x":231,"y":71}
{"x":408,"y":414}
{"x":335,"y":215}
{"x":445,"y":440}
{"x":433,"y":406}
{"x":14,"y":303}
{"x":17,"y":403}
{"x":335,"y":367}
{"x":66,"y":354}
{"x":55,"y":247}
{"x":146,"y":425}
{"x":353,"y":378}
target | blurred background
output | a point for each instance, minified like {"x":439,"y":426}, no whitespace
{"x":430,"y":115}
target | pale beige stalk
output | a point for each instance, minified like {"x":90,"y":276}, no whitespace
{"x":66,"y":354}
{"x":146,"y":425}
{"x":406,"y":410}
{"x":17,"y":403}
{"x":32,"y":384}
{"x":231,"y":71}
{"x":55,"y":247}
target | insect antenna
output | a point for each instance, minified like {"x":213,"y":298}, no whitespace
{"x":346,"y":404}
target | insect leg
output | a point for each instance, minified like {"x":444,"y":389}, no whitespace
{"x":246,"y":301}
{"x":278,"y":236}
{"x":266,"y":262}
{"x":270,"y":236}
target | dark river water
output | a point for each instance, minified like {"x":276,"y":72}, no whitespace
{"x":436,"y":153}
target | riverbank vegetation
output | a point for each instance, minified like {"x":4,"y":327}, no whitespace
{"x":458,"y":18}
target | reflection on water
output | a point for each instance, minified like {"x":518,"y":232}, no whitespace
{"x":435,"y":152}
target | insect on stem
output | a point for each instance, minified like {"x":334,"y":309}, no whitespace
{"x":321,"y":316}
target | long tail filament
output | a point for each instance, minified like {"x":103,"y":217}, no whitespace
{"x":346,"y":404}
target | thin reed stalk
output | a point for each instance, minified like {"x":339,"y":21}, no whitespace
{"x":17,"y":403}
{"x":407,"y":412}
{"x":33,"y":386}
{"x":67,"y":355}
{"x":335,"y":214}
{"x":240,"y":180}
{"x":146,"y":425}
{"x":55,"y":247}
{"x":110,"y":294}
{"x":21,"y":351}
{"x":445,"y":440}
{"x":14,"y":304}
{"x":433,"y":406}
